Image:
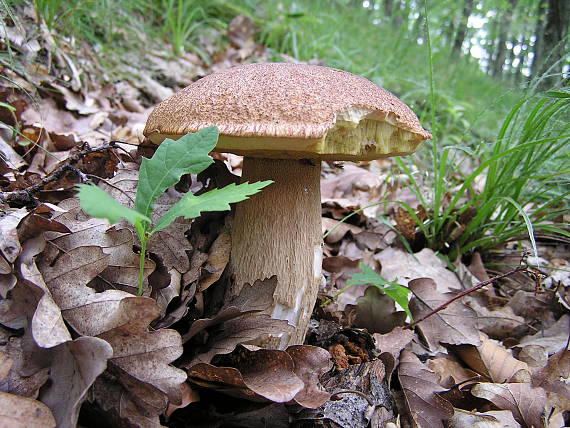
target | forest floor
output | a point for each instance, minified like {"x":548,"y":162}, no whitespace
{"x":78,"y":342}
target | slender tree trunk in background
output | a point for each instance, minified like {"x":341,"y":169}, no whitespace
{"x":462,"y":28}
{"x":553,"y":46}
{"x":491,"y":46}
{"x":501,"y":55}
{"x":402,"y":13}
{"x":522,"y":57}
{"x":538,"y":34}
{"x":389,"y":8}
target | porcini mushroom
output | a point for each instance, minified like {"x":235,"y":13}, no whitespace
{"x":285,"y":118}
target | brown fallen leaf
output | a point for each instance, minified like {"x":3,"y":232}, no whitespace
{"x":123,"y":264}
{"x":252,"y":298}
{"x":456,"y":324}
{"x":75,"y":366}
{"x":218,"y":258}
{"x":17,"y":378}
{"x":140,"y":357}
{"x":310,"y":363}
{"x":497,"y":323}
{"x":554,"y":378}
{"x":493,"y":361}
{"x":420,"y":387}
{"x":243,"y":330}
{"x":390,"y":345}
{"x":450,"y":372}
{"x":22,"y":412}
{"x":526,"y":403}
{"x":553,"y":339}
{"x":262,"y":375}
{"x":399,"y":265}
{"x":493,"y":419}
{"x":376,"y":312}
{"x":9,"y":242}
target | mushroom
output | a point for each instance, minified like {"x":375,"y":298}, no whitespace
{"x":284,"y":119}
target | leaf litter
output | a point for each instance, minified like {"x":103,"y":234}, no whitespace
{"x":76,"y":340}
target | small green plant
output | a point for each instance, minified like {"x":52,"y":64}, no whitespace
{"x":392,"y":289}
{"x":172,"y":159}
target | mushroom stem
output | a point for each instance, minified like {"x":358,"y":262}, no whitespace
{"x":278,"y":232}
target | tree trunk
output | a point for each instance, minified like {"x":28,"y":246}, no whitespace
{"x":522,"y":57}
{"x":538,"y":35}
{"x":462,"y":28}
{"x":501,"y":53}
{"x":552,"y":49}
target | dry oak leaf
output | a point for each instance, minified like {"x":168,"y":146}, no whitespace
{"x":141,"y":356}
{"x":123,"y":265}
{"x":420,"y":386}
{"x":493,"y":361}
{"x":554,"y":378}
{"x":376,"y":312}
{"x":74,"y":367}
{"x":553,"y":339}
{"x":525,"y":402}
{"x":9,"y":241}
{"x":311,"y":362}
{"x":390,"y":345}
{"x":252,"y":298}
{"x":14,"y":379}
{"x":22,"y":412}
{"x":450,"y":372}
{"x":224,"y":338}
{"x":454,"y":325}
{"x":261,"y":375}
{"x":493,"y":419}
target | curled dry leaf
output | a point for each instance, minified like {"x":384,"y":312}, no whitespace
{"x":9,"y":242}
{"x":252,"y":298}
{"x":493,"y":419}
{"x":225,"y":337}
{"x":493,"y":361}
{"x":310,"y":363}
{"x":450,"y":372}
{"x":456,"y":324}
{"x":420,"y":387}
{"x":390,"y":345}
{"x":14,"y":379}
{"x":74,"y":367}
{"x":526,"y":403}
{"x":22,"y":412}
{"x":554,"y":378}
{"x":218,"y":258}
{"x":262,"y":375}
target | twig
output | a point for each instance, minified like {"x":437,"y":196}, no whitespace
{"x":25,"y":196}
{"x":466,"y":292}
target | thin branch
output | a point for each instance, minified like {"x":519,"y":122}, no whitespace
{"x":466,"y":292}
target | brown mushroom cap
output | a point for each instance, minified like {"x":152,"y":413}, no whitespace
{"x":282,"y":110}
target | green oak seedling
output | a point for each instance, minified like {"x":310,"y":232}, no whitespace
{"x":172,"y":159}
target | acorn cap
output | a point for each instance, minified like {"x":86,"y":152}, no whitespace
{"x":283,"y":110}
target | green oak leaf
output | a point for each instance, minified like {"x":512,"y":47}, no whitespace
{"x":190,"y":206}
{"x":173,"y":159}
{"x":397,"y":292}
{"x":99,"y":204}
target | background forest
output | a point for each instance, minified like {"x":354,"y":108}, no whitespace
{"x":469,"y":235}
